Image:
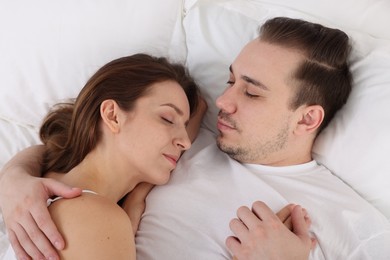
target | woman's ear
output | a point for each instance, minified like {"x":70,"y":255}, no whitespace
{"x":311,"y":119}
{"x":109,"y":112}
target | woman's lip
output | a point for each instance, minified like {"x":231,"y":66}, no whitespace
{"x":173,"y":159}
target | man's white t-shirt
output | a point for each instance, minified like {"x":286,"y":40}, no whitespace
{"x":189,"y":217}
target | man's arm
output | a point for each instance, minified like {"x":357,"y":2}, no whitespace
{"x":28,"y":160}
{"x":23,"y":197}
{"x":260,"y":234}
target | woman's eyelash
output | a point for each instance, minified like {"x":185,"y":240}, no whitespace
{"x":167,"y":120}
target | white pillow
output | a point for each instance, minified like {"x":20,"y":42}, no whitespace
{"x":14,"y":138}
{"x":217,"y":30}
{"x":49,"y":49}
{"x":356,"y":145}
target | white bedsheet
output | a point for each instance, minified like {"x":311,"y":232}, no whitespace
{"x":43,"y":63}
{"x":3,"y":238}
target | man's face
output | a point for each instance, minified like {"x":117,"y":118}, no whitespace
{"x":255,"y":121}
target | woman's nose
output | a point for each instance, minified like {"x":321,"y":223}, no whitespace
{"x":183,"y":141}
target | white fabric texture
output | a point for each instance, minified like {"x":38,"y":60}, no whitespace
{"x":188,"y":217}
{"x":49,"y":49}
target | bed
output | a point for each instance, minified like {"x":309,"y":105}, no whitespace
{"x":49,"y":49}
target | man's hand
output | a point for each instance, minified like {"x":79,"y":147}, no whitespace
{"x":285,"y":216}
{"x":260,"y":234}
{"x":30,"y":228}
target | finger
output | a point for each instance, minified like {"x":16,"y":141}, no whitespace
{"x":238,"y":228}
{"x":285,"y":212}
{"x":248,"y":218}
{"x":300,"y":227}
{"x":42,"y":218}
{"x":56,"y":188}
{"x":263,"y":212}
{"x":43,"y":231}
{"x":307,"y":217}
{"x":34,"y":241}
{"x":288,"y":223}
{"x":233,"y":244}
{"x":20,"y":253}
{"x":26,"y":243}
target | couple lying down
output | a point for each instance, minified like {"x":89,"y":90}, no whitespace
{"x":135,"y":117}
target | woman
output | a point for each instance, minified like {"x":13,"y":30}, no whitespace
{"x":127,"y":126}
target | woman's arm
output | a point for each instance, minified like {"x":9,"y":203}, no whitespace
{"x":134,"y":202}
{"x":196,"y":119}
{"x":23,"y":198}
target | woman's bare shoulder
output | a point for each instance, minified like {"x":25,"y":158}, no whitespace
{"x":93,"y":228}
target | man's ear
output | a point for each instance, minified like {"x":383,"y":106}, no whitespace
{"x":109,"y":112}
{"x":311,"y":119}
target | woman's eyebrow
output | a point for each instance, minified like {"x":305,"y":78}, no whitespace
{"x":178,"y":110}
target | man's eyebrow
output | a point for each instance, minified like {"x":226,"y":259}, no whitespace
{"x":251,"y":80}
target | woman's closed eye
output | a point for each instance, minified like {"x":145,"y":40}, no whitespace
{"x":167,"y":120}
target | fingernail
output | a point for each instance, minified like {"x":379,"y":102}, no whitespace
{"x":57,"y":245}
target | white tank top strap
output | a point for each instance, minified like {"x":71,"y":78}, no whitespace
{"x":50,"y":201}
{"x":90,"y":191}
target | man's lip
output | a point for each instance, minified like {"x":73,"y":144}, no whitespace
{"x":172,"y":158}
{"x":221,"y":125}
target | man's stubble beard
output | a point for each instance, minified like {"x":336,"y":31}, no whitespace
{"x":259,"y":152}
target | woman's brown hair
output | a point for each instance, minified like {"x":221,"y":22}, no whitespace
{"x":71,"y":130}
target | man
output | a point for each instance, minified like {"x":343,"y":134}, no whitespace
{"x":284,"y":88}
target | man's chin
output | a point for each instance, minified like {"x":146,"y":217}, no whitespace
{"x":224,"y":147}
{"x":220,"y":142}
{"x":234,"y":152}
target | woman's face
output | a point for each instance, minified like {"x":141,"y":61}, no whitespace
{"x":153,"y":134}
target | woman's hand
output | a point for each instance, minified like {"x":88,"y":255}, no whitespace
{"x":23,"y":198}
